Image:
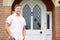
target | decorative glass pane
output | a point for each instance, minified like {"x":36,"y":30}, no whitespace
{"x":26,"y":15}
{"x":36,"y":17}
{"x":48,"y":21}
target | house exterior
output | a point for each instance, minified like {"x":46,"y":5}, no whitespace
{"x":42,"y":18}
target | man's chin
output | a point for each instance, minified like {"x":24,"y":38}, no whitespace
{"x":18,"y":12}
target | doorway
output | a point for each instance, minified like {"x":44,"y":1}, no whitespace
{"x":37,"y":20}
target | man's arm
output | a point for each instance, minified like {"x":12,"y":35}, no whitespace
{"x":24,"y":32}
{"x":7,"y":29}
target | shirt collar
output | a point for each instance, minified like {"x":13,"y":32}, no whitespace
{"x":16,"y":14}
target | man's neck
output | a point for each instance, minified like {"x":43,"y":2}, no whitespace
{"x":17,"y":14}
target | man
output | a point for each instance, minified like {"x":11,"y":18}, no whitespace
{"x":15,"y":25}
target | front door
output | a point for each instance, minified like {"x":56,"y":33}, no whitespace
{"x":36,"y":21}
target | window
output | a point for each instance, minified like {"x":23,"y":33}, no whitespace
{"x":48,"y":21}
{"x":26,"y":15}
{"x":37,"y":17}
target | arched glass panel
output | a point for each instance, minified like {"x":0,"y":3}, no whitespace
{"x":26,"y":15}
{"x":36,"y":17}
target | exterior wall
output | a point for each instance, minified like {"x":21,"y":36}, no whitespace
{"x":57,"y":19}
{"x":4,"y":12}
{"x":57,"y":22}
{"x":49,"y":4}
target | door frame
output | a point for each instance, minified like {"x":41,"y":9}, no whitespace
{"x":49,"y":31}
{"x":42,"y":6}
{"x":50,"y":13}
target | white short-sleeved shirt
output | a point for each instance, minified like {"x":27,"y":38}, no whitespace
{"x":16,"y":25}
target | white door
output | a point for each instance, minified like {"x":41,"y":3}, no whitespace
{"x":36,"y":21}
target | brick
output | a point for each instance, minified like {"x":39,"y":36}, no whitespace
{"x":57,"y":22}
{"x":5,"y":11}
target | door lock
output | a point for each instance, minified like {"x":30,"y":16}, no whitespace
{"x":40,"y":32}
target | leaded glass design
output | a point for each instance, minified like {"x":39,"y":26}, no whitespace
{"x":26,"y":15}
{"x":36,"y":17}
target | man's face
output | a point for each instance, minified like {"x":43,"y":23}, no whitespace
{"x":18,"y":10}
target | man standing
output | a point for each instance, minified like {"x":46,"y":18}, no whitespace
{"x":15,"y":25}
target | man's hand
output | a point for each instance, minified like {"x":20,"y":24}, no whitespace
{"x":11,"y":36}
{"x":7,"y":29}
{"x":23,"y":38}
{"x":24,"y":32}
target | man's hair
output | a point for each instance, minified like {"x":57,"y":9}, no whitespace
{"x":17,"y":5}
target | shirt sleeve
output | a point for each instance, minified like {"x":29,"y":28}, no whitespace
{"x":8,"y":20}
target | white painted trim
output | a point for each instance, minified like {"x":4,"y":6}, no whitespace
{"x":7,"y":2}
{"x":31,"y":22}
{"x":50,"y":13}
{"x":49,"y":31}
{"x":42,"y":5}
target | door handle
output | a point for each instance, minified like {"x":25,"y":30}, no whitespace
{"x":40,"y":32}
